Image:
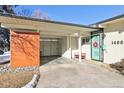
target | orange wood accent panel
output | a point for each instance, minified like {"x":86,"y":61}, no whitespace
{"x":25,"y":49}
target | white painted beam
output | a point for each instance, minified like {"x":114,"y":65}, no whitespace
{"x":52,"y":34}
{"x":79,"y":46}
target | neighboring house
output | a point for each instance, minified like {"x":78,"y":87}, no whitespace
{"x":103,"y":41}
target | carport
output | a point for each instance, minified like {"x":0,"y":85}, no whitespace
{"x":44,"y":30}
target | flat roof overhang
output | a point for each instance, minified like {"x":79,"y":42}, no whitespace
{"x":45,"y":27}
{"x":112,"y":20}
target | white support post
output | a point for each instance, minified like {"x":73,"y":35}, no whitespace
{"x":79,"y":46}
{"x":67,"y":42}
{"x":70,"y":47}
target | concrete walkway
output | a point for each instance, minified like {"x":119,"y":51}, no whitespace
{"x":66,"y":73}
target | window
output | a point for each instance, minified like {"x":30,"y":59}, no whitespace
{"x":85,"y":40}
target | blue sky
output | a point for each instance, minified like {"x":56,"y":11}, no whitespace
{"x":85,"y":14}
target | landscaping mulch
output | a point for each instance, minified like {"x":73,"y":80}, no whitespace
{"x":118,"y":66}
{"x":16,"y":80}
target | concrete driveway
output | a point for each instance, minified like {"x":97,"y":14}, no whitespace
{"x":66,"y":73}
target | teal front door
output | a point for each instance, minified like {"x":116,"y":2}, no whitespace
{"x":96,"y":48}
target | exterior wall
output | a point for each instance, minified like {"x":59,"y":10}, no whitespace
{"x":87,"y":49}
{"x":74,"y":45}
{"x":60,"y":47}
{"x":25,"y":49}
{"x":66,"y":50}
{"x":69,"y":47}
{"x":114,"y":52}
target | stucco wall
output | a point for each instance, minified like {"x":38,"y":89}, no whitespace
{"x":65,"y":47}
{"x":60,"y":47}
{"x":114,"y":52}
{"x":25,"y":49}
{"x":74,"y":45}
{"x":66,"y":50}
{"x":87,"y":49}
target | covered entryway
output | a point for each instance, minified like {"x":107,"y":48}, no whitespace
{"x":69,"y":35}
{"x":50,"y":49}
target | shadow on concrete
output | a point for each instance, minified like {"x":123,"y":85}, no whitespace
{"x":47,"y":59}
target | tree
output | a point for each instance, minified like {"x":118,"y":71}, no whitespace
{"x":46,"y":16}
{"x":4,"y":33}
{"x":22,"y":11}
{"x":38,"y":14}
{"x":4,"y":40}
{"x":7,"y":9}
